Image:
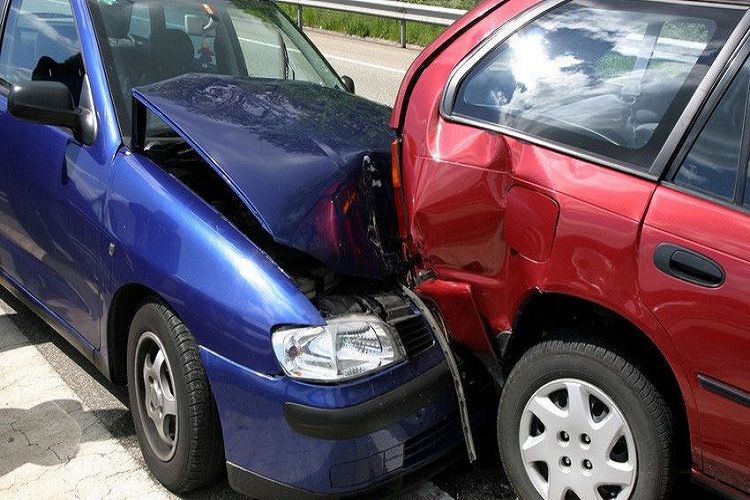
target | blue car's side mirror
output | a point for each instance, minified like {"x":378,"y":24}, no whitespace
{"x":51,"y":103}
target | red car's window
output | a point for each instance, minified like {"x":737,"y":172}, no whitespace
{"x":606,"y":77}
{"x":713,"y":163}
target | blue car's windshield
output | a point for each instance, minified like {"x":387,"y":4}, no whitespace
{"x":145,"y":41}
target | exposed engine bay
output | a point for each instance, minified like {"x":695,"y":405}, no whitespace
{"x":184,"y":163}
{"x":332,"y":293}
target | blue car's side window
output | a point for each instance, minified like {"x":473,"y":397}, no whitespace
{"x":41,"y":43}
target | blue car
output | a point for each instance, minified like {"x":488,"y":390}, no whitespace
{"x":192,"y":197}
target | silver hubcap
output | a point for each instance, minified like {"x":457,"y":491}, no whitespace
{"x":156,"y":399}
{"x":576,"y":444}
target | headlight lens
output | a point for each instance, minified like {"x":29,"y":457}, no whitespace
{"x":346,"y":347}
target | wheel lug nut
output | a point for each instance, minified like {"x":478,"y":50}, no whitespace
{"x":587,"y":465}
{"x":565,"y":461}
{"x":585,"y":439}
{"x":564,"y":437}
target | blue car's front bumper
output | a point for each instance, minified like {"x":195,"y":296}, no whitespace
{"x":285,"y":439}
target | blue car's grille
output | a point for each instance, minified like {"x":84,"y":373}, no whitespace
{"x":415,"y":335}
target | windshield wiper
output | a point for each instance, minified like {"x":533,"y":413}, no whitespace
{"x":285,"y":58}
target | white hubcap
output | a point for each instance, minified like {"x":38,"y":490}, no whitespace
{"x":576,"y":443}
{"x":156,"y":398}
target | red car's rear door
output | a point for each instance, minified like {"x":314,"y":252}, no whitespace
{"x":694,"y":264}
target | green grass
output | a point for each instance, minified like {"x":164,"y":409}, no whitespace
{"x":374,"y":27}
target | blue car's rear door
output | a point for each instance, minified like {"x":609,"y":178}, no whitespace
{"x":50,"y":185}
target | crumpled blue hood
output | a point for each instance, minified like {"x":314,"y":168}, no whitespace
{"x":311,"y":163}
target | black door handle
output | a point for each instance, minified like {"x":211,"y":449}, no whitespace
{"x":688,"y":265}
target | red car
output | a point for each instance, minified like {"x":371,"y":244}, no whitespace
{"x":573,"y":195}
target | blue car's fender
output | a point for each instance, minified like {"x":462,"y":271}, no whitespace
{"x":227,"y":291}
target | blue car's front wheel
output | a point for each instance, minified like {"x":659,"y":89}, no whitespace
{"x":174,"y":413}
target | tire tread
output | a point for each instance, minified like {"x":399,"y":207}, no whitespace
{"x":205,"y":457}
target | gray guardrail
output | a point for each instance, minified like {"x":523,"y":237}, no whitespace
{"x":401,"y":11}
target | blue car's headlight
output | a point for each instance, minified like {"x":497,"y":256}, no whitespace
{"x":345,"y":348}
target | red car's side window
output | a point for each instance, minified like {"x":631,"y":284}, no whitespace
{"x":613,"y":85}
{"x":713,"y":164}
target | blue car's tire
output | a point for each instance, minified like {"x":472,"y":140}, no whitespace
{"x":578,"y":420}
{"x":173,"y":410}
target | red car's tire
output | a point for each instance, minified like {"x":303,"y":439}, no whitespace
{"x":577,"y":418}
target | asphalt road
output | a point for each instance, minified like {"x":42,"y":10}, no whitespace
{"x":377,"y":69}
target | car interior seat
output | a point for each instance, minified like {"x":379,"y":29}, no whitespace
{"x":172,"y":53}
{"x":57,"y":61}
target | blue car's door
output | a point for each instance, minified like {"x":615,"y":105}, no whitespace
{"x":51,"y":187}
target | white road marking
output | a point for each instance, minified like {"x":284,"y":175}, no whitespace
{"x":331,"y":57}
{"x":368,"y":65}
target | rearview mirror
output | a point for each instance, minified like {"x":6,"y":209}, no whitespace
{"x":51,"y":103}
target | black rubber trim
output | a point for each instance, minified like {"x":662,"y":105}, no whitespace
{"x":260,"y":487}
{"x":378,"y":413}
{"x":725,"y":390}
{"x":714,"y":486}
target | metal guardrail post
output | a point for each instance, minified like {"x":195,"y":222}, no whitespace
{"x":403,"y":33}
{"x":299,"y":15}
